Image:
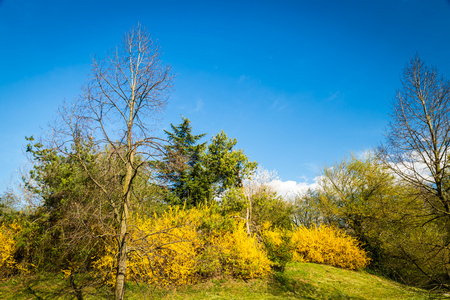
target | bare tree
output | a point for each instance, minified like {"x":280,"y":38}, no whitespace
{"x":418,"y":141}
{"x":418,"y":138}
{"x":120,"y":107}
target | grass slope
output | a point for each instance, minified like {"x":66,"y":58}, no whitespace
{"x":300,"y":281}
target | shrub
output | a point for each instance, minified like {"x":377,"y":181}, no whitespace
{"x":8,"y":245}
{"x":278,"y":244}
{"x":161,"y":250}
{"x":241,"y":255}
{"x":181,"y":246}
{"x":330,"y":246}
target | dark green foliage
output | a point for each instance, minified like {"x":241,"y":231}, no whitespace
{"x":180,"y":167}
{"x":64,"y":228}
{"x":195,"y":173}
{"x":55,"y":177}
{"x":225,"y":166}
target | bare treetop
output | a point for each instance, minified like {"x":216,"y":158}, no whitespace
{"x":128,"y":90}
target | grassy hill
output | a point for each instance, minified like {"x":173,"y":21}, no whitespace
{"x":300,"y":281}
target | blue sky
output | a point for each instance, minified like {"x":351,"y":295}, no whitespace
{"x":299,"y":83}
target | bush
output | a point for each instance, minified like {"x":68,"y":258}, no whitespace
{"x":241,"y":255}
{"x":8,"y":247}
{"x":181,"y":246}
{"x":161,"y":250}
{"x":278,"y":244}
{"x":330,"y":246}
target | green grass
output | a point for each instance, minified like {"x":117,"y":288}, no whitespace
{"x":299,"y":281}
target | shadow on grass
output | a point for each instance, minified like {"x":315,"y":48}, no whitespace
{"x":46,"y":287}
{"x":282,"y":284}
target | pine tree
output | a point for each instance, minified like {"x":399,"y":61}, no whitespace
{"x":181,"y":168}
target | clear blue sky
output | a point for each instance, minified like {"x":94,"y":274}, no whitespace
{"x":298,"y":83}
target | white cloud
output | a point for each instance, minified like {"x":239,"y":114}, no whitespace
{"x":290,"y":188}
{"x":415,"y":165}
{"x":286,"y":189}
{"x":365,"y":154}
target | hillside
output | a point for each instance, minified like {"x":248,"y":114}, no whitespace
{"x":300,"y":281}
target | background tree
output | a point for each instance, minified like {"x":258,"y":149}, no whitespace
{"x":127,"y":92}
{"x":305,"y":211}
{"x":417,"y":150}
{"x":355,"y":196}
{"x":257,"y":202}
{"x":417,"y":140}
{"x":354,"y":191}
{"x":362,"y":197}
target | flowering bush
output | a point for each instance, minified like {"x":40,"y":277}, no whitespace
{"x":180,"y":246}
{"x":241,"y":255}
{"x":278,"y":244}
{"x":330,"y":246}
{"x":8,"y":264}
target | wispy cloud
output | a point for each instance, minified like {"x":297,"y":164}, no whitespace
{"x":198,"y":105}
{"x":278,"y":104}
{"x":313,"y":167}
{"x":333,"y":96}
{"x":243,"y":78}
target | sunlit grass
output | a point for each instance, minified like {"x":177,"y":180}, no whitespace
{"x":299,"y":281}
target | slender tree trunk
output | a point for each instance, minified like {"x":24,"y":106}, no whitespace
{"x":249,"y":208}
{"x":247,"y":220}
{"x":122,"y":256}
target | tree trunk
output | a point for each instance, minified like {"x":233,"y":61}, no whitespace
{"x":122,"y":258}
{"x":122,"y":255}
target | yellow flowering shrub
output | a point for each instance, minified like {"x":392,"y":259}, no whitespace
{"x":160,"y":250}
{"x":8,"y":264}
{"x":330,"y":246}
{"x":164,"y":248}
{"x":181,"y":246}
{"x":278,"y":244}
{"x":103,"y":264}
{"x":242,"y":255}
